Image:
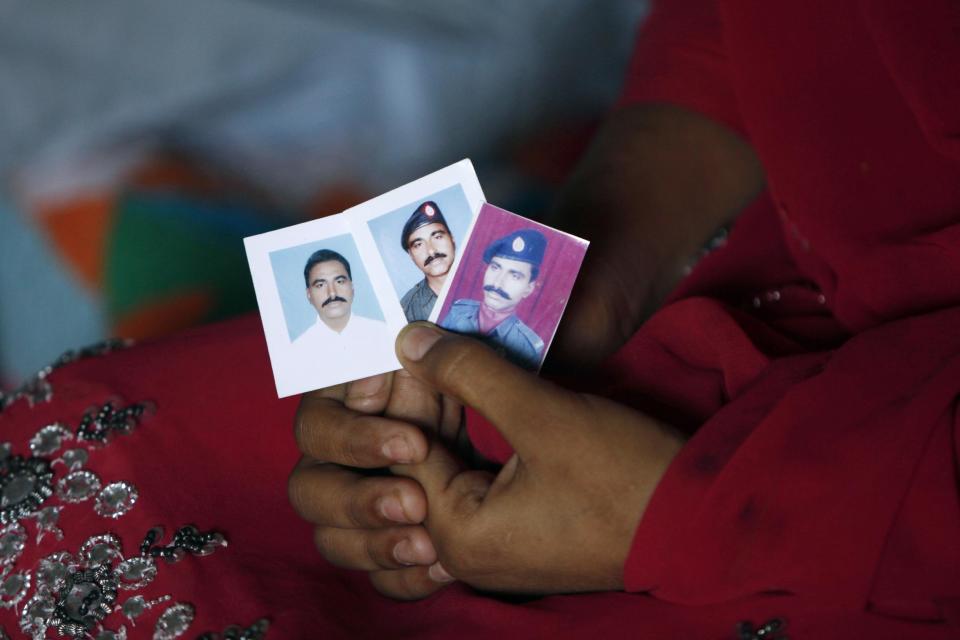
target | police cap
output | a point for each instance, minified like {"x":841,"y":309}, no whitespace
{"x":427,"y":213}
{"x":526,"y":245}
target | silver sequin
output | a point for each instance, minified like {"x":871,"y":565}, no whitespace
{"x":13,"y":539}
{"x":14,"y":588}
{"x":47,"y":519}
{"x":78,"y":486}
{"x":101,"y":549}
{"x":49,"y":439}
{"x":35,"y":618}
{"x":174,"y":622}
{"x":136,"y":572}
{"x":53,"y":570}
{"x":109,"y":634}
{"x":75,"y":458}
{"x":135,"y":606}
{"x":88,"y":596}
{"x":25,"y":486}
{"x":116,"y":499}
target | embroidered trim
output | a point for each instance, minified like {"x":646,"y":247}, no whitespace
{"x":37,"y":388}
{"x":769,"y":630}
{"x":75,"y":593}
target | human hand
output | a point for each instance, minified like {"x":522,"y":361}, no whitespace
{"x":561,"y":514}
{"x":364,"y":521}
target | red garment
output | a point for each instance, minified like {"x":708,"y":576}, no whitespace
{"x":217,"y":453}
{"x":821,"y":482}
{"x":828,"y":475}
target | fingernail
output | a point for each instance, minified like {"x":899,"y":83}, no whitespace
{"x":391,"y":509}
{"x":417,"y":341}
{"x":407,"y":553}
{"x":398,"y":450}
{"x":366,"y":386}
{"x":438,"y":574}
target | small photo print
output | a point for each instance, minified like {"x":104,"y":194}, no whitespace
{"x":321,"y":311}
{"x":417,"y":233}
{"x":418,"y":243}
{"x":512,"y":285}
{"x":334,"y":293}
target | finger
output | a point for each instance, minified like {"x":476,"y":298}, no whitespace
{"x":329,"y":495}
{"x":531,"y":413}
{"x":411,"y":583}
{"x":412,"y":400}
{"x":452,"y":428}
{"x":326,"y":430}
{"x":369,"y":395}
{"x":434,"y":474}
{"x":375,"y":549}
{"x":453,"y":497}
{"x":336,"y":392}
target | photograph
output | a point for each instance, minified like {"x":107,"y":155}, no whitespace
{"x":417,"y":233}
{"x":418,"y":243}
{"x":321,"y":310}
{"x":513,"y":285}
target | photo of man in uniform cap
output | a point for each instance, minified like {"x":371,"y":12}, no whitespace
{"x":513,"y":264}
{"x":427,"y":240}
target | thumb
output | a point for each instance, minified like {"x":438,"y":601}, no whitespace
{"x":529,"y":412}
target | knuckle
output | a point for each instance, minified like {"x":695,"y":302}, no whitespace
{"x":354,"y":447}
{"x":359,"y":508}
{"x":310,"y":426}
{"x":376,"y":555}
{"x":403,"y":584}
{"x":297,"y":490}
{"x":459,"y":352}
{"x":300,"y":429}
{"x":323,"y":541}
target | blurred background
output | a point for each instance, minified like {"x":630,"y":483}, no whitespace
{"x":140,"y":141}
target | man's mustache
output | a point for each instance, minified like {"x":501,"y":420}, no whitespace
{"x":333,"y":299}
{"x":497,"y":290}
{"x":433,"y":257}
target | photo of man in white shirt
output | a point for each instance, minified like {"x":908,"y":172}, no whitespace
{"x":339,"y":339}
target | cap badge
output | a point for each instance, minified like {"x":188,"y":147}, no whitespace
{"x":428,"y":210}
{"x":518,"y":244}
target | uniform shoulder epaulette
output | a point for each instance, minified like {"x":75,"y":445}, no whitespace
{"x":531,"y":335}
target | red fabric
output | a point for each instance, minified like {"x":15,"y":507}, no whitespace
{"x":217,"y":453}
{"x":820,"y":483}
{"x":820,"y":376}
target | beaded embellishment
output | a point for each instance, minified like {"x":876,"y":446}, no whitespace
{"x":76,"y":592}
{"x":769,"y":630}
{"x":73,"y":593}
{"x":37,"y":388}
{"x":26,"y":483}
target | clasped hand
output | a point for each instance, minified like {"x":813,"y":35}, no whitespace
{"x":559,"y":516}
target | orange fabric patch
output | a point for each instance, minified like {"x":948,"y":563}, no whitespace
{"x":79,"y":228}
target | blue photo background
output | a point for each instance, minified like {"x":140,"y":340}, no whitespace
{"x":288,"y":272}
{"x":387,"y":229}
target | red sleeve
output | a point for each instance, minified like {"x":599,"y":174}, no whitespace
{"x":830,"y":476}
{"x":921,"y":48}
{"x":679,"y":59}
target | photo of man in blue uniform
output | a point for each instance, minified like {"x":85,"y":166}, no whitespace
{"x":513,"y":264}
